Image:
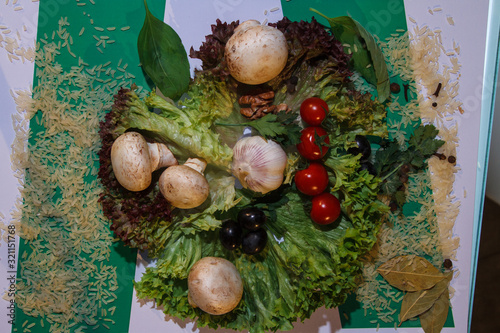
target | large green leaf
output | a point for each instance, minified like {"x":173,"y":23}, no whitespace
{"x":163,"y":56}
{"x":367,"y":58}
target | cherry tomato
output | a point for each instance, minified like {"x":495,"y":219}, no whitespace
{"x":313,"y":180}
{"x":313,"y":111}
{"x":308,"y":146}
{"x":325,"y":208}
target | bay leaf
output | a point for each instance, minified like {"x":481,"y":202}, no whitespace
{"x":433,"y":320}
{"x":410,"y":273}
{"x":163,"y":56}
{"x":417,"y":302}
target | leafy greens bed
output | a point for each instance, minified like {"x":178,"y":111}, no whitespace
{"x":305,"y":265}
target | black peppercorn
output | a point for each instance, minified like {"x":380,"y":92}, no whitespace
{"x":447,"y":264}
{"x":452,"y":159}
{"x":405,"y":168}
{"x":404,"y":178}
{"x":434,"y":104}
{"x":395,"y":88}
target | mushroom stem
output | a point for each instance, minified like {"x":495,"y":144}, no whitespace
{"x":197,"y":164}
{"x":160,"y":156}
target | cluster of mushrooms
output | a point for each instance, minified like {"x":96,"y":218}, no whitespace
{"x":134,"y":160}
{"x":255,"y":54}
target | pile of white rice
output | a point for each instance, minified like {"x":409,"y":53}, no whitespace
{"x":66,"y":278}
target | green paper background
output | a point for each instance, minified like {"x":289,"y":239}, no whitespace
{"x":104,"y":13}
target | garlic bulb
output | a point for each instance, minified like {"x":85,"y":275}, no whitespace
{"x":259,"y":164}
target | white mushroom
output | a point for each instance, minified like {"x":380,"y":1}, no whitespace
{"x":134,"y":160}
{"x":214,"y":285}
{"x":256,"y":53}
{"x":184,"y":186}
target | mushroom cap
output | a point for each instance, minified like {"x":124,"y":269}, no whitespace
{"x":215,"y":285}
{"x":131,"y":162}
{"x":256,"y":53}
{"x":183,"y":186}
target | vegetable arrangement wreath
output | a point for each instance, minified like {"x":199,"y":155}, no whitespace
{"x":296,"y":245}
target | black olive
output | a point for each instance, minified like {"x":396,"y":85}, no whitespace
{"x":230,"y":234}
{"x":251,"y":218}
{"x":254,"y":241}
{"x":364,"y":147}
{"x":368,"y":167}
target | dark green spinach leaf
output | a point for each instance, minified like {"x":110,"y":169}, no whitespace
{"x":163,"y":56}
{"x":367,"y":58}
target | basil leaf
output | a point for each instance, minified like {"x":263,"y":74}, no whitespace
{"x":163,"y":56}
{"x":367,"y":58}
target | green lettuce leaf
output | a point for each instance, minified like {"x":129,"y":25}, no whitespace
{"x":182,"y":129}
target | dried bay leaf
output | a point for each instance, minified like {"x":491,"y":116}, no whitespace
{"x":433,"y":320}
{"x":417,"y":302}
{"x":410,"y":273}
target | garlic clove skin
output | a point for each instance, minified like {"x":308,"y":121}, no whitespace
{"x":259,"y":164}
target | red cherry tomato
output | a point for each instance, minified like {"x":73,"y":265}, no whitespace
{"x":325,"y":208}
{"x":308,"y":147}
{"x":313,"y":180}
{"x":313,"y":111}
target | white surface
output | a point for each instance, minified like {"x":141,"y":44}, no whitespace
{"x":472,"y":39}
{"x":13,"y":76}
{"x":469,"y":36}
